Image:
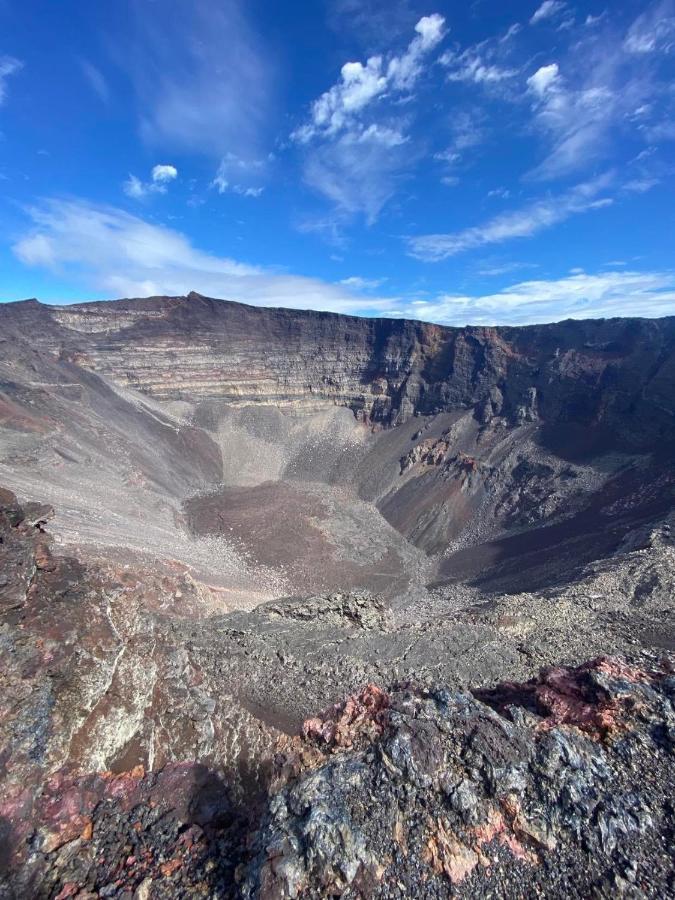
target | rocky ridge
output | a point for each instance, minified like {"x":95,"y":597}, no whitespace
{"x":385,"y":370}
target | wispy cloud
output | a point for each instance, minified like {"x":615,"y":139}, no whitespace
{"x":359,"y":172}
{"x":549,"y":9}
{"x":117,"y":254}
{"x":238,"y":175}
{"x":202,"y":77}
{"x":472,"y":66}
{"x":526,"y":222}
{"x":580,"y":296}
{"x":8,"y":66}
{"x":96,"y":80}
{"x":357,"y":283}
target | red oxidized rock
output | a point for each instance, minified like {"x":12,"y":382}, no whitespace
{"x":360,"y":715}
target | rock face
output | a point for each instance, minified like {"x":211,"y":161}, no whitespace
{"x":604,"y":375}
{"x":523,"y":789}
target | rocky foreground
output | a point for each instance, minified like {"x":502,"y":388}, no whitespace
{"x":559,"y":786}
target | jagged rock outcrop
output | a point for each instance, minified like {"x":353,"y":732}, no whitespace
{"x":558,"y":787}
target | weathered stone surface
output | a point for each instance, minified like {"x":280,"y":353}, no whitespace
{"x":444,"y":795}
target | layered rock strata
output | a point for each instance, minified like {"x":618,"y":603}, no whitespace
{"x":612,"y":376}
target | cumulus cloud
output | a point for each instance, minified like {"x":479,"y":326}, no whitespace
{"x":522,"y":223}
{"x":8,"y":66}
{"x":160,"y":177}
{"x":359,"y":84}
{"x":543,"y":79}
{"x":162,"y":174}
{"x":547,"y":10}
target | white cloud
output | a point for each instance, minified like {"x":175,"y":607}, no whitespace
{"x":8,"y":66}
{"x":160,"y":177}
{"x":543,"y":79}
{"x":362,"y":284}
{"x":511,"y":32}
{"x":578,"y":296}
{"x":163,"y":173}
{"x":547,"y":10}
{"x":117,"y":254}
{"x":471,"y":66}
{"x":204,"y":81}
{"x":591,"y":20}
{"x":233,"y":173}
{"x":337,"y":108}
{"x":501,"y":193}
{"x":640,"y":185}
{"x":134,"y":187}
{"x":525,"y":222}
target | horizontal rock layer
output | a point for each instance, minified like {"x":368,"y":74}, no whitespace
{"x":615,"y":376}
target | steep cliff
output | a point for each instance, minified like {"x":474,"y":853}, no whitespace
{"x":616,"y":377}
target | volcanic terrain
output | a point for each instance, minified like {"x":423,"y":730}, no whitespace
{"x":219,"y":520}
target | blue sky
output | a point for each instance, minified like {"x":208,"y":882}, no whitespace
{"x":475,"y":162}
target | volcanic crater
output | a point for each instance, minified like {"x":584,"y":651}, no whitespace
{"x":220,"y":519}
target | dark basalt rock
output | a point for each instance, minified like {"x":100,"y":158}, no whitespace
{"x":565,"y":791}
{"x":412,"y":792}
